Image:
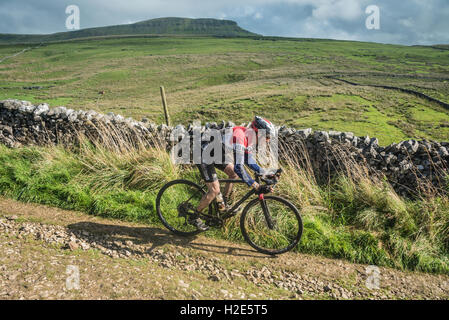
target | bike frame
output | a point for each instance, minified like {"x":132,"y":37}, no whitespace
{"x":238,"y":203}
{"x":230,"y":212}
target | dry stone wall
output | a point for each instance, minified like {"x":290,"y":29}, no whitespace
{"x":407,"y":165}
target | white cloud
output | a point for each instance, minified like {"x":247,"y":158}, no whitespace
{"x":406,"y":22}
{"x":340,"y":9}
{"x":258,"y":15}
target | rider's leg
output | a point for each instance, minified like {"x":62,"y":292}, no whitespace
{"x":229,"y":170}
{"x":213,"y":189}
{"x":209,"y":176}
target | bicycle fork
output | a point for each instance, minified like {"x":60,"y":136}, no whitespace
{"x":266,"y":212}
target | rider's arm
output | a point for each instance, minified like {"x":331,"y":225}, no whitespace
{"x":243,"y":174}
{"x":252,"y":164}
{"x":239,"y":167}
{"x":242,"y":157}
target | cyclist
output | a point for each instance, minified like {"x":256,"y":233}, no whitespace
{"x":241,"y":143}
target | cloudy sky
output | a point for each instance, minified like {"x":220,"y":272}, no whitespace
{"x":401,"y":21}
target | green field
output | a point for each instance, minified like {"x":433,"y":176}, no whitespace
{"x":213,"y":79}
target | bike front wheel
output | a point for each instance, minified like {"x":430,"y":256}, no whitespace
{"x":271,"y":225}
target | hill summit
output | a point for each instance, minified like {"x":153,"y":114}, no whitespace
{"x":159,"y":26}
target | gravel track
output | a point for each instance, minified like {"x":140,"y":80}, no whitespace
{"x":131,"y":261}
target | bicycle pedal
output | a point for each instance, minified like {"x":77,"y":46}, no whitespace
{"x":235,"y":212}
{"x":200,"y":225}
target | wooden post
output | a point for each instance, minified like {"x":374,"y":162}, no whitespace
{"x":164,"y":104}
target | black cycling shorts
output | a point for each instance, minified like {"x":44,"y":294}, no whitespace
{"x":208,"y":172}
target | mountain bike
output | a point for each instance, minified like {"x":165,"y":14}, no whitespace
{"x":270,"y":224}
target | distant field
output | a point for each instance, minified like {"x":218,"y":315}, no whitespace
{"x":212,"y":79}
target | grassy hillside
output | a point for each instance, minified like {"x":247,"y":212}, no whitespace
{"x":172,"y":26}
{"x":300,"y":83}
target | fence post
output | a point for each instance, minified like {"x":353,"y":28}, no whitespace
{"x":164,"y":104}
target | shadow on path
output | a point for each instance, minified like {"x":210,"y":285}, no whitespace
{"x":147,"y":239}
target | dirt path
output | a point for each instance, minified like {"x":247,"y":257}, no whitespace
{"x":43,"y":249}
{"x":19,"y":53}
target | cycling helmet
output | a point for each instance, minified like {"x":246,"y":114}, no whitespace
{"x":261,"y":123}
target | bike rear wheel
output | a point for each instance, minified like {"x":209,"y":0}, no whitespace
{"x":272,"y":225}
{"x":171,"y":201}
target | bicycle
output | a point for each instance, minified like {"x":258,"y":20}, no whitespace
{"x":270,"y":224}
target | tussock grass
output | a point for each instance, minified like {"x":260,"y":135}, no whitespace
{"x":143,"y":169}
{"x":358,"y":215}
{"x":298,"y":183}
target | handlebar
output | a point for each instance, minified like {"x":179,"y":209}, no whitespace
{"x":270,"y":179}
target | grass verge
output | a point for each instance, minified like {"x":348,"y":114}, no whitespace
{"x":357,"y":218}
